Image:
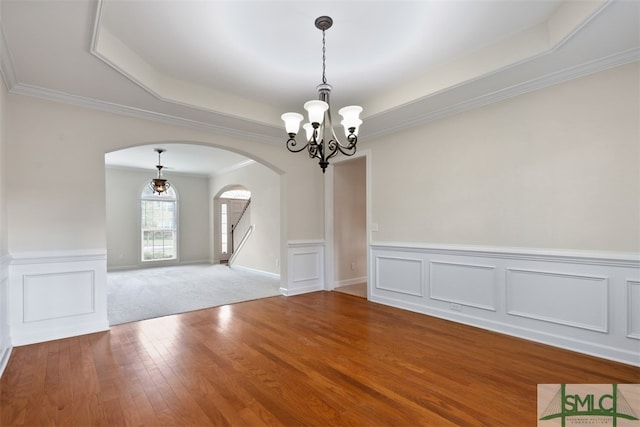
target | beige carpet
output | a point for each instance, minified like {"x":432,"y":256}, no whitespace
{"x":155,"y":292}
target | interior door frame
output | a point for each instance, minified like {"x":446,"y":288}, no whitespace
{"x":329,"y":249}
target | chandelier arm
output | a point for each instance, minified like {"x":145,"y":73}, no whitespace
{"x":333,"y":149}
{"x":334,"y":145}
{"x":350,"y":149}
{"x":316,"y":150}
{"x":292,"y":143}
{"x":336,"y":140}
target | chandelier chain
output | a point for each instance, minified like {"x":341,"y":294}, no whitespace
{"x":324,"y":59}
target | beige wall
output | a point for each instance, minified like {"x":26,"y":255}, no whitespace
{"x":556,"y":169}
{"x":5,"y":336}
{"x":123,"y":187}
{"x":261,"y":250}
{"x":3,"y":193}
{"x":56,"y":178}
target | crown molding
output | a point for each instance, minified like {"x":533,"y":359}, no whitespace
{"x":582,"y":70}
{"x":99,"y":41}
{"x":109,"y":107}
{"x":7,"y":72}
{"x":612,"y":61}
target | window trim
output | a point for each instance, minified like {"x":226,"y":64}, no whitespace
{"x":140,"y":238}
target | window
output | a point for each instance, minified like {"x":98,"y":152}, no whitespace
{"x":158,"y":223}
{"x":236,"y":194}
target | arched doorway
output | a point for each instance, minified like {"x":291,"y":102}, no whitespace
{"x":127,"y":170}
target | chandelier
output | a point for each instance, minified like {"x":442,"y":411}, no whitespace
{"x":159,"y":185}
{"x":322,"y":142}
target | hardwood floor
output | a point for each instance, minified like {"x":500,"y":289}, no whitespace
{"x":317,"y":359}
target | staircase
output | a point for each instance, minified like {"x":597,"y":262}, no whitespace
{"x":240,"y":232}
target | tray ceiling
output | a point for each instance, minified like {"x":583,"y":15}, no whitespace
{"x":234,"y":66}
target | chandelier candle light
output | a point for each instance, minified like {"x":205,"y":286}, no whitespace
{"x":322,"y":142}
{"x":159,"y":185}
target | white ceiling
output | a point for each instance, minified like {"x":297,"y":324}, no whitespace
{"x":233,"y":67}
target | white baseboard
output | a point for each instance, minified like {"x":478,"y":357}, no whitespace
{"x":578,"y":301}
{"x":56,"y":333}
{"x":299,"y":290}
{"x":6,"y":344}
{"x":4,"y":359}
{"x":347,"y":282}
{"x":123,"y":268}
{"x":253,"y":270}
{"x":158,"y":264}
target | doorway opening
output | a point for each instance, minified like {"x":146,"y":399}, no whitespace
{"x":232,"y":217}
{"x":349,"y":234}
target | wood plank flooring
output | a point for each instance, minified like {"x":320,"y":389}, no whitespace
{"x":320,"y":359}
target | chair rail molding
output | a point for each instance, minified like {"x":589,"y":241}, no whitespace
{"x":578,"y":300}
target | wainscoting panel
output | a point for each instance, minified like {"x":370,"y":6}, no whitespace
{"x":57,"y":295}
{"x":306,"y":267}
{"x":51,"y":296}
{"x":466,"y":284}
{"x":552,"y":297}
{"x":402,"y":275}
{"x":585,"y":302}
{"x":633,"y":309}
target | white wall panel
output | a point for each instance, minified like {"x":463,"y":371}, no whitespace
{"x":57,"y":295}
{"x":568,"y":299}
{"x":51,"y":296}
{"x":397,"y":274}
{"x":467,"y":284}
{"x":633,"y":309}
{"x":306,"y":266}
{"x":585,"y":302}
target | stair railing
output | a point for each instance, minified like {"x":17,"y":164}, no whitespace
{"x":240,"y":228}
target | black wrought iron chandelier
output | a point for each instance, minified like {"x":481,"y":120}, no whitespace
{"x":322,"y":142}
{"x":159,"y":185}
